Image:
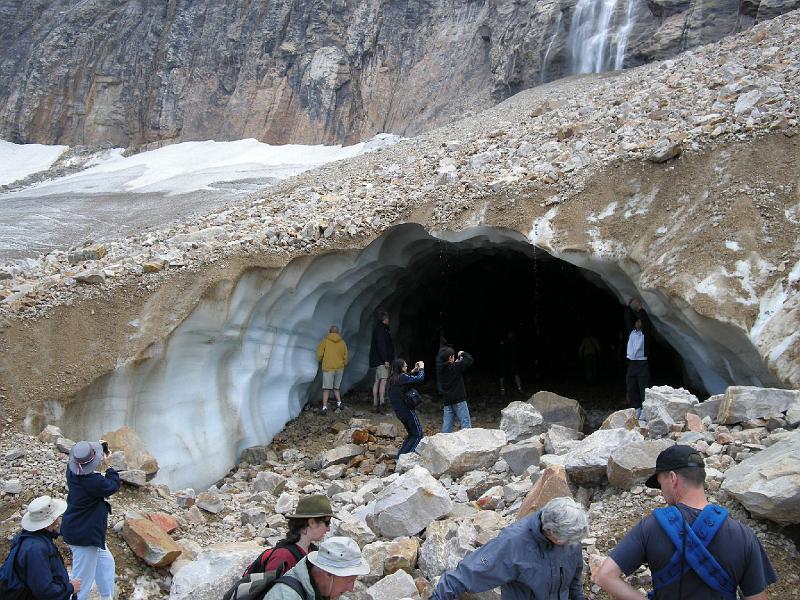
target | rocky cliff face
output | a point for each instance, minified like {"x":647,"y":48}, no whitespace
{"x":141,"y":71}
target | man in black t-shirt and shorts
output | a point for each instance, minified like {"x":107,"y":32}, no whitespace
{"x":680,"y":473}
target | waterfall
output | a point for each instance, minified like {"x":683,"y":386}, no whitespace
{"x":597,"y":40}
{"x":553,"y":38}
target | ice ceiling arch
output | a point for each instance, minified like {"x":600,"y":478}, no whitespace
{"x":242,"y":363}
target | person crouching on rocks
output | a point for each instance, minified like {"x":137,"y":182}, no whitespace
{"x":86,"y":520}
{"x":399,"y":383}
{"x":34,"y":563}
{"x":325,"y":573}
{"x":309,"y":524}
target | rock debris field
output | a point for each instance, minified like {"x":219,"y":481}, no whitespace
{"x":545,"y":143}
{"x":418,"y":516}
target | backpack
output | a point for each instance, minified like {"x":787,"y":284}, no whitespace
{"x":11,"y":586}
{"x":256,"y":586}
{"x":259,"y":565}
{"x":690,"y":549}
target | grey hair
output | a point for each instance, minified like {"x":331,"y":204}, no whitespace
{"x":565,"y":520}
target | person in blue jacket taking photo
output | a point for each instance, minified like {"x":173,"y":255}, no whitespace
{"x":34,"y":564}
{"x":399,"y":385}
{"x":86,"y":520}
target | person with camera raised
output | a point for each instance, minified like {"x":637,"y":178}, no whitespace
{"x":449,"y":374}
{"x":85,"y":522}
{"x":404,"y":400}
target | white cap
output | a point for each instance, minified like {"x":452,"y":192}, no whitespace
{"x":339,"y":556}
{"x":43,"y":512}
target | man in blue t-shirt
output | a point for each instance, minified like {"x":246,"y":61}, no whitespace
{"x":680,"y":473}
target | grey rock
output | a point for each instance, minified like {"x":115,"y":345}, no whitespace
{"x":710,"y":407}
{"x":64,"y":445}
{"x":586,"y":464}
{"x":677,"y":402}
{"x":13,"y":454}
{"x":522,"y":455}
{"x":258,"y":455}
{"x":214,"y":570}
{"x":341,"y":454}
{"x":560,"y":439}
{"x":134,"y":477}
{"x":396,"y":586}
{"x":664,"y":150}
{"x":768,"y":483}
{"x":267,"y":481}
{"x":559,"y":410}
{"x":743,"y":403}
{"x":11,"y":486}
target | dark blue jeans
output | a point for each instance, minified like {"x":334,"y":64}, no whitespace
{"x":411,"y":422}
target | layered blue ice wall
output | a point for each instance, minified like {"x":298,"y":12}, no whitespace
{"x":243,"y":363}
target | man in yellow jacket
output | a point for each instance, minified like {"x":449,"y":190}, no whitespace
{"x":332,"y":353}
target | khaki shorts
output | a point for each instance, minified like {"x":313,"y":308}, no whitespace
{"x":331,"y":380}
{"x":381,"y":372}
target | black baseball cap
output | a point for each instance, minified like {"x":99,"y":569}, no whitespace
{"x":674,"y":458}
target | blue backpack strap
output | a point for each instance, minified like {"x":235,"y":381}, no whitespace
{"x":697,"y":557}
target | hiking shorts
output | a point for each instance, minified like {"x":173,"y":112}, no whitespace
{"x":381,"y":372}
{"x":331,"y":380}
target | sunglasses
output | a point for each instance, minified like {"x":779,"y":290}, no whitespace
{"x":326,"y":520}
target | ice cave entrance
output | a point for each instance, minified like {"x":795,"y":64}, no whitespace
{"x":243,"y":362}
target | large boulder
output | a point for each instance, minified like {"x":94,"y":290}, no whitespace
{"x":213,"y":572}
{"x":465,"y":450}
{"x":136,"y":454}
{"x":659,"y":420}
{"x":522,"y":455}
{"x":586,"y":463}
{"x":267,"y":481}
{"x":558,"y":410}
{"x":401,"y":553}
{"x":356,"y":530}
{"x":743,"y":403}
{"x":150,"y":543}
{"x":408,"y":504}
{"x":520,"y":420}
{"x":634,"y":463}
{"x":709,"y":407}
{"x":677,"y":402}
{"x":768,"y":483}
{"x":551,"y":484}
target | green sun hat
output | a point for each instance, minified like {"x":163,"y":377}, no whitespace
{"x":316,"y":505}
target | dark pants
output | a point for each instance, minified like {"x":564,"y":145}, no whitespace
{"x":636,"y":380}
{"x":410,"y":421}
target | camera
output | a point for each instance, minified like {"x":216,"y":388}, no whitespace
{"x":104,"y":444}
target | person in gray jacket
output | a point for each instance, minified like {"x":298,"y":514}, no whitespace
{"x":325,"y":573}
{"x":537,"y":558}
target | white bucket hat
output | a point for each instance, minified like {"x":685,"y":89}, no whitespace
{"x":339,"y":556}
{"x":42,"y":512}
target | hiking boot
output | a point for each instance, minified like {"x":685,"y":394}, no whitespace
{"x":375,"y":408}
{"x":338,"y":407}
{"x":323,"y":411}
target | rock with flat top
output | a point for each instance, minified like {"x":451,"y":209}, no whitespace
{"x":586,"y":463}
{"x":150,"y":543}
{"x":744,"y":403}
{"x":213,"y":572}
{"x":460,"y":452}
{"x":632,"y":464}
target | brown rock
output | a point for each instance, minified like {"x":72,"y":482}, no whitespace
{"x":150,"y":543}
{"x":166,"y":522}
{"x":552,"y":484}
{"x":693,"y":423}
{"x":401,"y":554}
{"x":360,"y":436}
{"x":136,"y":454}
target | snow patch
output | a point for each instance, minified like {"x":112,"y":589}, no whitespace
{"x":639,"y":203}
{"x":192,"y":166}
{"x":731,"y":245}
{"x":18,"y":161}
{"x":541,"y":234}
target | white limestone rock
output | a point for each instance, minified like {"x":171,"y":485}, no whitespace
{"x":559,"y":410}
{"x":396,"y":586}
{"x":520,"y":420}
{"x":465,"y":450}
{"x":408,"y":505}
{"x":743,"y":403}
{"x":632,"y":464}
{"x":286,"y":503}
{"x":214,"y":570}
{"x":355,"y":530}
{"x":677,"y":402}
{"x":625,"y":418}
{"x":586,"y":463}
{"x":560,"y":439}
{"x":768,"y":483}
{"x":375,"y":554}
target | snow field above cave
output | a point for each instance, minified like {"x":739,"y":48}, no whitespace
{"x":175,"y":169}
{"x":17,"y":161}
